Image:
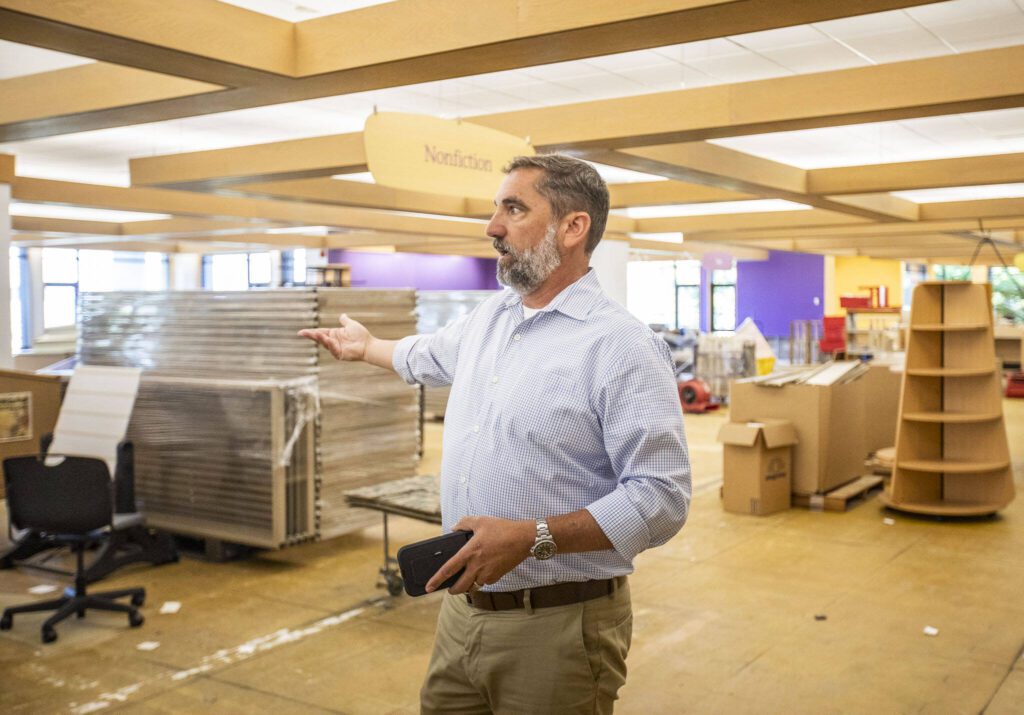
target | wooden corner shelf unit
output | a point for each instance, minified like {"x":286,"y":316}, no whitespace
{"x":952,"y":455}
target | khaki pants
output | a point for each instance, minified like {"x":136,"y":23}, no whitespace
{"x":564,"y":660}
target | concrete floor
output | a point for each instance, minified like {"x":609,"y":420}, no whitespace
{"x":725,"y":620}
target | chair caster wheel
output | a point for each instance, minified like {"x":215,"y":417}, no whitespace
{"x":5,"y":622}
{"x":138,"y":599}
{"x":135,"y":620}
{"x":49,"y":635}
{"x":394,"y":584}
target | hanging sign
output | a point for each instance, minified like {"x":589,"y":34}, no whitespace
{"x":438,"y":156}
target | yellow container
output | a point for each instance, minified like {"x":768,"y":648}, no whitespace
{"x":765,"y":365}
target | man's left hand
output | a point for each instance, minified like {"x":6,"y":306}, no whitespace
{"x":497,"y":547}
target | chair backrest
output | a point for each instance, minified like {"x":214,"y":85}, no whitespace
{"x":95,"y":412}
{"x":72,"y":497}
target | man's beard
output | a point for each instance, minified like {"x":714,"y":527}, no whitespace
{"x":525,"y":271}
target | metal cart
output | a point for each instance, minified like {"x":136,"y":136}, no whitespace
{"x":415,"y":497}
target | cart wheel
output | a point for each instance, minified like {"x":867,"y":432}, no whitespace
{"x":5,"y":622}
{"x":49,"y":635}
{"x":394,"y":583}
{"x":138,"y":599}
{"x":135,"y":619}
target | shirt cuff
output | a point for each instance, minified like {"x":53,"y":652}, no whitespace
{"x":400,"y":358}
{"x":622,"y":523}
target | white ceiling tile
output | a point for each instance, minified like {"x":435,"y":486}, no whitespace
{"x":630,"y":60}
{"x":823,"y":56}
{"x":18,"y":60}
{"x":606,"y":85}
{"x":778,"y":38}
{"x":545,"y":93}
{"x":704,"y":49}
{"x":299,"y":10}
{"x":983,"y":33}
{"x":999,"y":124}
{"x":663,"y":78}
{"x":562,"y":71}
{"x":739,"y":68}
{"x":911,"y":43}
{"x":963,"y":193}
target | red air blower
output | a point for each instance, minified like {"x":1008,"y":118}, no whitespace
{"x":1014,"y":385}
{"x":695,"y":396}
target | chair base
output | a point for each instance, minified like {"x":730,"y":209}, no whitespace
{"x":79,"y":604}
{"x":135,"y":544}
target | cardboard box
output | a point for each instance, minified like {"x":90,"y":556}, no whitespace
{"x":758,"y":466}
{"x":29,"y":404}
{"x":881,"y":407}
{"x":829,"y":422}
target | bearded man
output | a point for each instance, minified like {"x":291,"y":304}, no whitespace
{"x":564,"y":454}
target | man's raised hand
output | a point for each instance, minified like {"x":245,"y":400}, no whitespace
{"x":347,"y":342}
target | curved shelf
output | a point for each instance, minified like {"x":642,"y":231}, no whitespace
{"x":952,"y":417}
{"x":948,"y":327}
{"x":949,"y":466}
{"x":950,"y":371}
{"x":943,"y":507}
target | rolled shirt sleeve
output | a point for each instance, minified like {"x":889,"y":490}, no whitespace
{"x":646,"y":443}
{"x":430,"y":360}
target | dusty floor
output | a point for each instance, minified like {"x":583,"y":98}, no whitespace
{"x":725,"y":620}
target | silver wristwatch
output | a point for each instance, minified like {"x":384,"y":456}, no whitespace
{"x":544,"y":545}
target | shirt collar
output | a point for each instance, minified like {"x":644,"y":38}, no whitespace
{"x":575,"y":300}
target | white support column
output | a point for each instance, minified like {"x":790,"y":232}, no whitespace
{"x":6,"y":349}
{"x":609,"y":260}
{"x":186,"y":271}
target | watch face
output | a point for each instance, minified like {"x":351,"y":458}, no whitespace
{"x":544,"y":550}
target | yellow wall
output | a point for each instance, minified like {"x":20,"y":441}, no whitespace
{"x":854,"y":271}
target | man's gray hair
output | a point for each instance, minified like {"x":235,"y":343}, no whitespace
{"x":569,"y":184}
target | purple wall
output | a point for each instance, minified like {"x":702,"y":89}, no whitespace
{"x":779,"y":290}
{"x":418,"y":270}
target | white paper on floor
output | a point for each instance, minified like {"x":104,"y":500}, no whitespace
{"x":170,"y":607}
{"x":148,"y":645}
{"x":42,"y":588}
{"x":931,"y":631}
{"x":888,"y":522}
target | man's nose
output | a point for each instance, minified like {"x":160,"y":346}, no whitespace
{"x":495,"y":229}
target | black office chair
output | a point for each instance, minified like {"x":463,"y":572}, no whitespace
{"x":69,"y":503}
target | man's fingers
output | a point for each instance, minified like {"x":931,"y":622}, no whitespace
{"x":449,"y":568}
{"x":464,"y":584}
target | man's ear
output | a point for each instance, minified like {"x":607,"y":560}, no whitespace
{"x":577,"y":228}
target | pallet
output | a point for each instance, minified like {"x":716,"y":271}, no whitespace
{"x":840,"y":498}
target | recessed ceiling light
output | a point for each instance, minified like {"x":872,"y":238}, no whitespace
{"x":81,"y":214}
{"x":963,"y":193}
{"x":363,"y":177}
{"x":720,"y":207}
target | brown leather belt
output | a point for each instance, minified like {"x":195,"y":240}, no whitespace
{"x":559,"y":594}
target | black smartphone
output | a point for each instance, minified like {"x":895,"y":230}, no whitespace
{"x":420,"y":561}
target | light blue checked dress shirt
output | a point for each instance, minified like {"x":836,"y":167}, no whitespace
{"x":575,"y":407}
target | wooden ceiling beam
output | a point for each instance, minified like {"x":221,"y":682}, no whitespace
{"x":372,"y":48}
{"x":732,"y":222}
{"x":37,"y":225}
{"x":87,"y":88}
{"x":188,"y":204}
{"x":899,"y":90}
{"x":6,"y":168}
{"x":977,"y":209}
{"x":912,"y":175}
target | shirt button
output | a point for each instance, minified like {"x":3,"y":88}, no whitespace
{"x":495,"y":379}
{"x":462,"y":480}
{"x":476,"y":428}
{"x":518,"y":337}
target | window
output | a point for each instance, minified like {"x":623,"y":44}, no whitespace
{"x":1007,"y":293}
{"x":952,"y":273}
{"x":102,"y":271}
{"x":723,"y":300}
{"x":237,"y":271}
{"x":913,"y":273}
{"x":19,"y":304}
{"x":60,"y":287}
{"x":687,"y":294}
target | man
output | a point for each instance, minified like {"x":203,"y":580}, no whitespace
{"x":564,"y":454}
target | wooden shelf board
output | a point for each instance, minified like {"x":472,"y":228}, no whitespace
{"x":950,"y":371}
{"x":947,"y":466}
{"x":948,"y":327}
{"x":889,"y":309}
{"x":943,"y":507}
{"x":952,"y":417}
